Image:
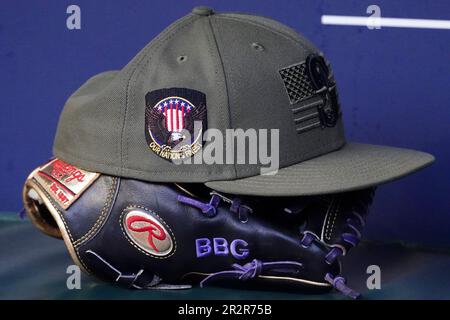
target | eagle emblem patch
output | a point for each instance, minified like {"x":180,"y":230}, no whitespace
{"x":175,"y":119}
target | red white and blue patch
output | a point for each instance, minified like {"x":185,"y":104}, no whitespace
{"x":170,"y":117}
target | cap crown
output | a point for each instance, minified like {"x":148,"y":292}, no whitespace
{"x":253,"y":74}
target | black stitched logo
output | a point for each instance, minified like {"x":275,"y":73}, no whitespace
{"x":312,"y":90}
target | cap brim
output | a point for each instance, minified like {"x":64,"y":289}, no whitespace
{"x":354,"y":166}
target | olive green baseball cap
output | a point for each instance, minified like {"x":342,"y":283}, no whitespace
{"x":227,"y":71}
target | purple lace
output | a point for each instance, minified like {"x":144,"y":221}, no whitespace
{"x":339,"y":283}
{"x":356,"y":223}
{"x":354,"y":238}
{"x":210,"y":209}
{"x":22,"y":213}
{"x":242,"y":210}
{"x":333,"y":254}
{"x":307,"y":239}
{"x":253,"y":269}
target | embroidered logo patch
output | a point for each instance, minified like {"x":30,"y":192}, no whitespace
{"x":205,"y":247}
{"x":175,"y":119}
{"x":324,"y":85}
{"x":312,"y":92}
{"x":63,"y":182}
{"x":148,"y":232}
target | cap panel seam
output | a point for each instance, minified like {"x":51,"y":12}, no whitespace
{"x":216,"y":44}
{"x":155,"y":44}
{"x":277,"y":32}
{"x":277,"y":25}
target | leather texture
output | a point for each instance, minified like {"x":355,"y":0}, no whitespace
{"x":273,"y":230}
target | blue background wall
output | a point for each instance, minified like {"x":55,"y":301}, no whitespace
{"x":394,"y":86}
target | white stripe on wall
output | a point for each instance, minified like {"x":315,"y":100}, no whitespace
{"x":385,"y":22}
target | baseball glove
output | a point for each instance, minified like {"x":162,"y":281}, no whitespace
{"x":169,"y":236}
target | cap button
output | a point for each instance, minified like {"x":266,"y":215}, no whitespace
{"x":203,"y":11}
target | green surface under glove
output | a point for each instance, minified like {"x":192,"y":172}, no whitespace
{"x":33,"y":266}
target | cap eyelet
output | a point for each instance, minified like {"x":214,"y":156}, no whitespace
{"x":181,"y":59}
{"x":257,"y":46}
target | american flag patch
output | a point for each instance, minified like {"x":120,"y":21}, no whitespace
{"x":174,"y":111}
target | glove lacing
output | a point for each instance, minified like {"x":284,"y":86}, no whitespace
{"x":253,"y":269}
{"x":356,"y":223}
{"x":210,"y":209}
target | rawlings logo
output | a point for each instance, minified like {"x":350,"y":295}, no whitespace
{"x":147,"y":232}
